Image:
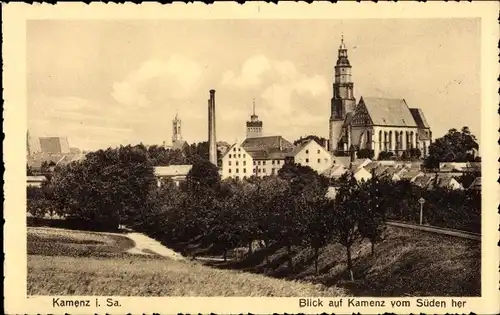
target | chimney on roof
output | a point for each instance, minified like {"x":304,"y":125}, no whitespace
{"x":212,"y":141}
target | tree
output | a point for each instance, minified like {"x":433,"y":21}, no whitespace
{"x":384,"y":155}
{"x":110,"y":187}
{"x":347,"y":215}
{"x":29,"y":170}
{"x":318,"y":217}
{"x":366,"y":154}
{"x":203,"y":176}
{"x":371,"y":223}
{"x":455,"y":146}
{"x":320,"y":140}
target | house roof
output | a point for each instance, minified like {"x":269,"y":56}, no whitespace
{"x":266,"y":143}
{"x":423,"y":181}
{"x":266,"y":155}
{"x":35,"y":178}
{"x":344,"y":160}
{"x":172,"y":170}
{"x":388,"y":111}
{"x":178,"y":145}
{"x":410,"y":174}
{"x":335,"y":171}
{"x":418,"y":116}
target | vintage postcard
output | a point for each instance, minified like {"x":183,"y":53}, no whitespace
{"x":257,"y":158}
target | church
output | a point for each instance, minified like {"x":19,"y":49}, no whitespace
{"x":379,"y":125}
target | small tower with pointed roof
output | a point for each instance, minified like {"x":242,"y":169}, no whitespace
{"x":254,"y":126}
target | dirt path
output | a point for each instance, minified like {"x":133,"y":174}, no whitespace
{"x":145,"y":244}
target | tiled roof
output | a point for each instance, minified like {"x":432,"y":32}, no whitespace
{"x":344,"y":160}
{"x":419,"y":117}
{"x":172,"y":170}
{"x":335,"y":171}
{"x":410,"y":174}
{"x":389,"y":112}
{"x":266,"y":143}
{"x":265,"y":155}
{"x":423,"y":181}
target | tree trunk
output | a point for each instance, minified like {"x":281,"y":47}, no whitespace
{"x":289,"y":250}
{"x":349,"y":262}
{"x":373,"y":248}
{"x":316,"y":257}
{"x":266,"y":250}
{"x":225,"y":254}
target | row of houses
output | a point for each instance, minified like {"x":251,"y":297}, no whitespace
{"x":446,"y":177}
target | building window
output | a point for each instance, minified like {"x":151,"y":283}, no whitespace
{"x":244,"y":170}
{"x":319,"y":160}
{"x":254,"y":163}
{"x":263,"y":170}
{"x":229,"y":171}
{"x":307,"y":160}
{"x":244,"y":163}
{"x":229,"y":155}
{"x":229,"y":163}
{"x":278,"y":162}
{"x":258,"y":162}
{"x":237,"y":170}
{"x":260,"y":170}
{"x":239,"y":149}
{"x":273,"y":162}
{"x":244,"y":155}
{"x":234,"y":149}
{"x":307,"y":151}
{"x":263,"y":162}
{"x":318,"y":151}
{"x":237,"y":163}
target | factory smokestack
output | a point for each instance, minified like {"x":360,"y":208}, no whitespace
{"x":212,"y":141}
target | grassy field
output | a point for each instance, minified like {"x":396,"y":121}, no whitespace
{"x":408,"y":262}
{"x":62,"y":262}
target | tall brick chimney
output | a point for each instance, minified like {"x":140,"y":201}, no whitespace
{"x":212,"y":141}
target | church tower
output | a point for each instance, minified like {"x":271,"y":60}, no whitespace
{"x":176,"y":129}
{"x":254,"y":126}
{"x":343,"y":100}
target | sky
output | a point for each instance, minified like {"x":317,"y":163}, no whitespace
{"x":104,"y":83}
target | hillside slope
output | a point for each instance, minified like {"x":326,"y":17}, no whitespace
{"x":408,"y":262}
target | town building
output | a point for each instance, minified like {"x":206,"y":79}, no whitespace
{"x":176,"y":173}
{"x":254,"y":126}
{"x":311,"y":154}
{"x":375,"y":124}
{"x":268,"y":153}
{"x":35,"y":181}
{"x":54,"y":145}
{"x":236,"y":163}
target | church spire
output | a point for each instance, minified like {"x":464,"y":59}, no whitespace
{"x":254,"y":106}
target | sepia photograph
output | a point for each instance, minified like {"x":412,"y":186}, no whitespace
{"x":254,"y":157}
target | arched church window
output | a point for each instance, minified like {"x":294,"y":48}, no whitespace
{"x":380,"y":140}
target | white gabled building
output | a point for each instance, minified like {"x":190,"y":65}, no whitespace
{"x":177,"y":173}
{"x":312,"y":154}
{"x":236,"y":163}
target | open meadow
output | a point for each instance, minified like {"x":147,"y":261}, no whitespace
{"x":65,"y":262}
